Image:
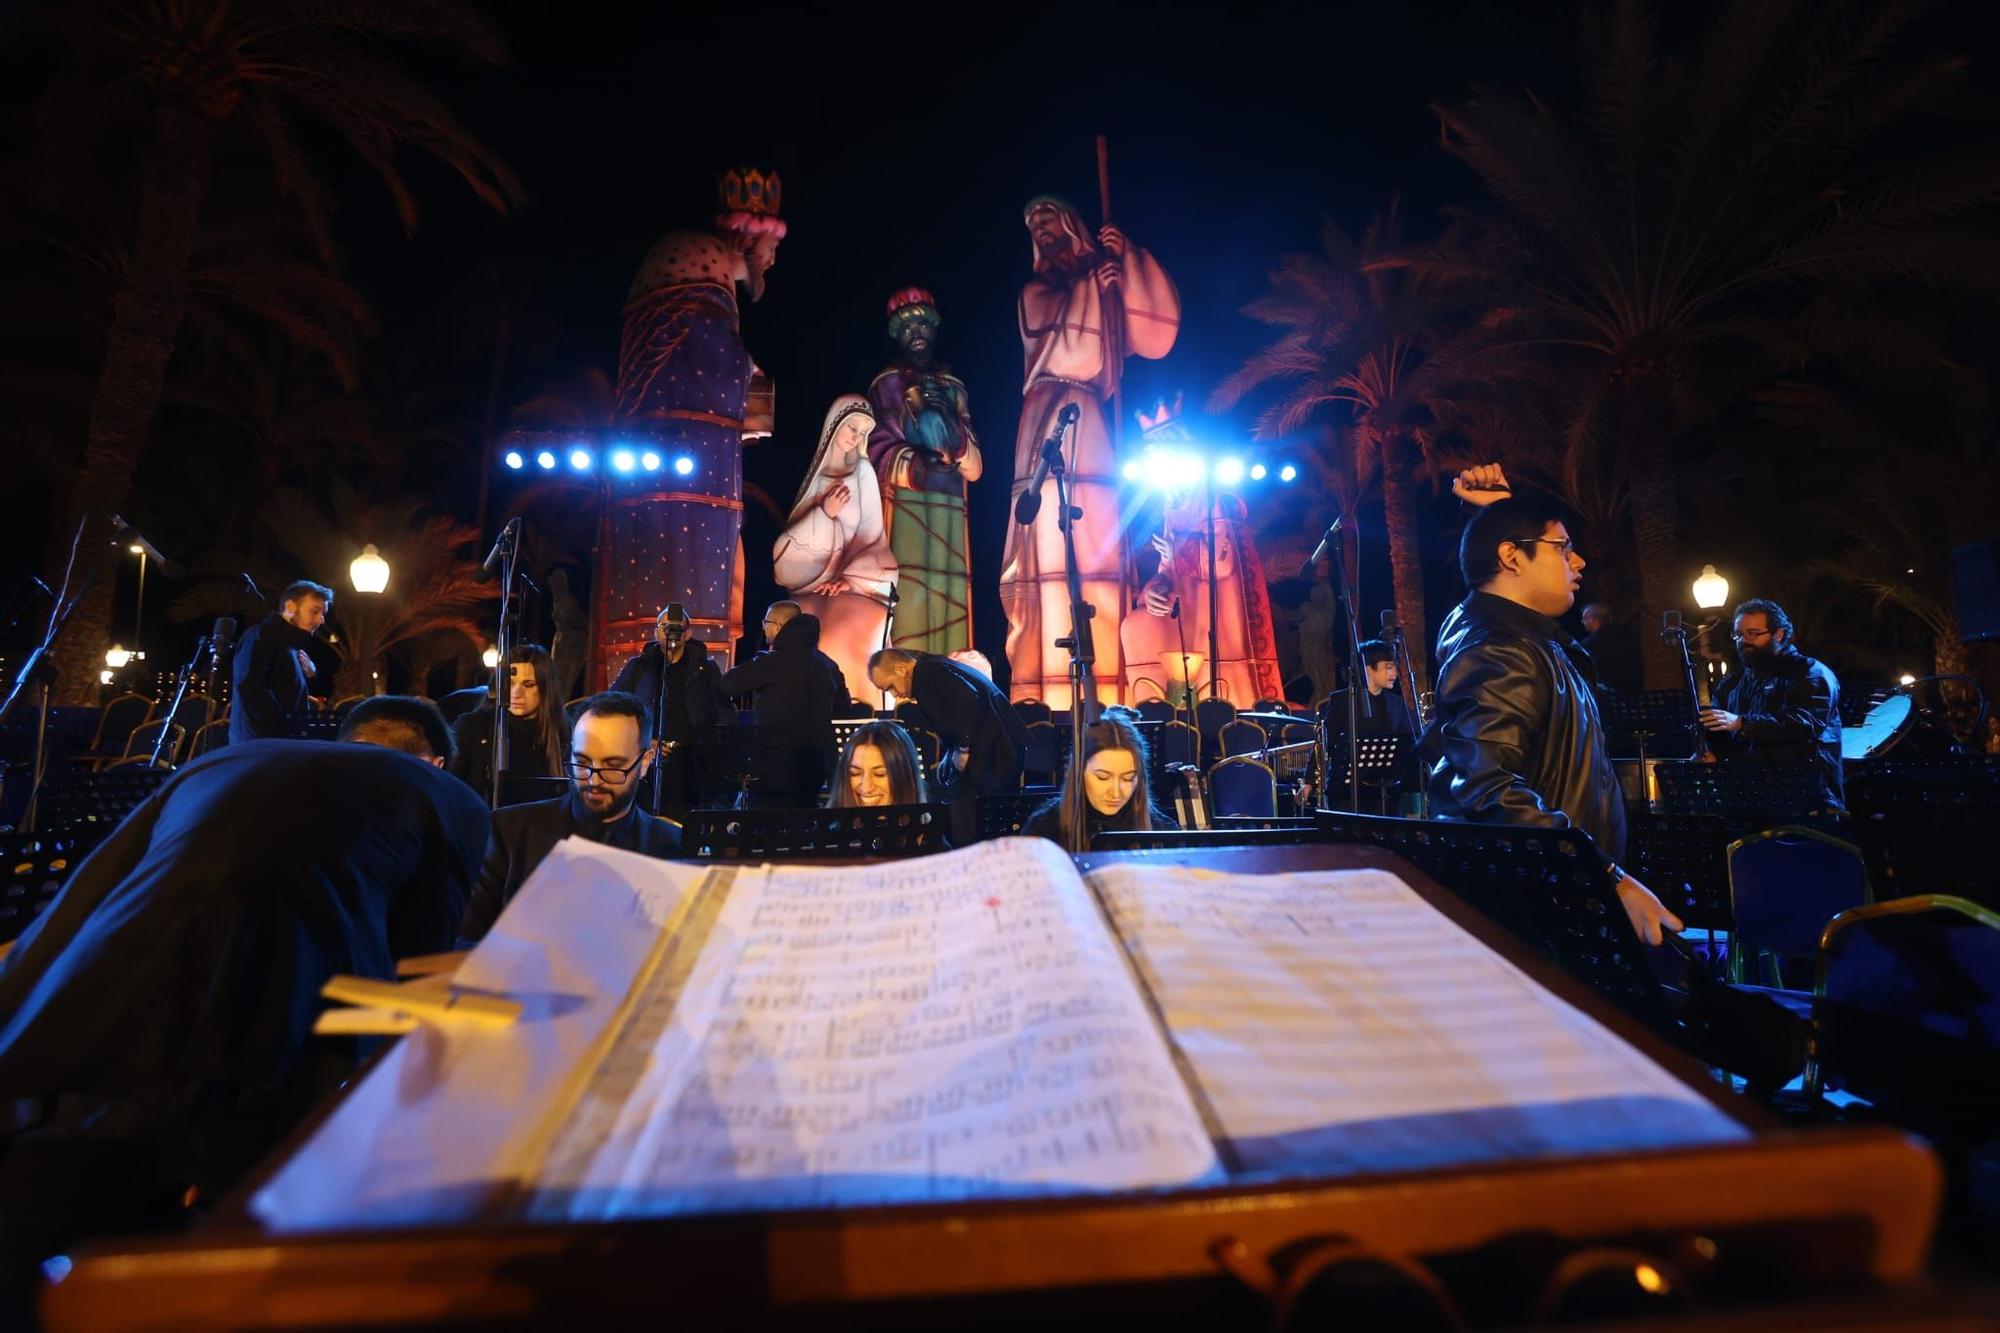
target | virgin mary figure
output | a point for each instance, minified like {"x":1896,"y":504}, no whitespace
{"x":834,"y":553}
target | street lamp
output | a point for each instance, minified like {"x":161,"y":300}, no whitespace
{"x":117,"y":657}
{"x":490,"y":658}
{"x":1711,"y":590}
{"x":369,"y":572}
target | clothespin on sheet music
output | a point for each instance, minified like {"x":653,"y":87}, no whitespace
{"x":388,"y":1008}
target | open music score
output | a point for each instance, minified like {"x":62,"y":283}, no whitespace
{"x":897,"y":1032}
{"x":1337,"y":1021}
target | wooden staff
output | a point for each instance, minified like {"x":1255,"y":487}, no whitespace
{"x":1114,"y":316}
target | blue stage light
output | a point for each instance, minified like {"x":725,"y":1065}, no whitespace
{"x":1229,"y":472}
{"x":1130,"y":471}
{"x":1258,"y":472}
{"x":514,"y":461}
{"x":684,"y":466}
{"x":623,"y":460}
{"x":545,"y":460}
{"x":580,"y":459}
{"x":1288,"y":473}
{"x":649,"y":461}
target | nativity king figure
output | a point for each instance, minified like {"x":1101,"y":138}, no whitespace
{"x":1089,"y":306}
{"x":684,"y":381}
{"x":833,"y":556}
{"x":926,"y":454}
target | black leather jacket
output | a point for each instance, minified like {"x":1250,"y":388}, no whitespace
{"x":1516,"y":738}
{"x":1790,"y":706}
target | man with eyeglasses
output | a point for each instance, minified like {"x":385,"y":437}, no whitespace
{"x":609,"y":757}
{"x":1516,"y":737}
{"x":1780,"y":706}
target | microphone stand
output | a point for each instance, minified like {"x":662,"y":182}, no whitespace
{"x":36,"y":669}
{"x":1082,"y":648}
{"x":1675,"y":632}
{"x":1359,"y":703}
{"x":508,"y":546}
{"x":660,"y":725}
{"x":207,"y":645}
{"x":1188,"y":687}
{"x":888,"y":624}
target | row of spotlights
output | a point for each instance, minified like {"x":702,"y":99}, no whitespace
{"x":1176,"y":470}
{"x":582,"y":460}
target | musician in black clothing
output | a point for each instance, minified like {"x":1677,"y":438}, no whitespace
{"x":1114,"y":795}
{"x":1386,"y":714}
{"x":609,"y":760}
{"x":984,"y":738}
{"x":1780,"y":706}
{"x":276,"y":660}
{"x":536,"y":730}
{"x":690,"y":703}
{"x":797,"y":691}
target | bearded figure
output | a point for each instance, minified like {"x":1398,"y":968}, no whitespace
{"x":672,"y":533}
{"x":1090,"y":305}
{"x":925,"y":454}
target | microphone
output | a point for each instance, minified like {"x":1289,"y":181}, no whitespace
{"x":1319,"y":552}
{"x":1030,"y":503}
{"x":1390,"y":629}
{"x":892,"y":594}
{"x":1175,"y":614}
{"x":219,"y":638}
{"x":251,"y":584}
{"x":500,"y":545}
{"x":1670,"y":625}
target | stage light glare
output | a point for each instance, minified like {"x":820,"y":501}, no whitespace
{"x":545,"y":460}
{"x":623,"y":460}
{"x":514,"y":461}
{"x":684,"y":466}
{"x":649,"y":461}
{"x":490,"y":658}
{"x":117,"y":657}
{"x":1258,"y":472}
{"x":580,"y":459}
{"x":1229,"y":472}
{"x":1906,"y":680}
{"x":1130,"y":471}
{"x":1288,"y":473}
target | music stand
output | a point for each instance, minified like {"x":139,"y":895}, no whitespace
{"x":89,"y":806}
{"x":316,"y":725}
{"x":33,"y":869}
{"x":843,"y":833}
{"x":523,"y":789}
{"x":1683,"y":859}
{"x":1652,"y":724}
{"x":1005,"y":814}
{"x":1749,"y":797}
{"x":1381,"y":762}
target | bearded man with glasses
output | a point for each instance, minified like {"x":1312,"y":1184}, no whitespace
{"x":1780,"y":706}
{"x":1516,"y":737}
{"x":609,"y":758}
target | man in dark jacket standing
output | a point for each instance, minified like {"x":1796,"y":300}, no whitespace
{"x":274,"y":663}
{"x":687,"y":706}
{"x":609,"y":760}
{"x":155,"y":1023}
{"x":1780,"y":707}
{"x":1516,"y":737}
{"x":797,"y":691}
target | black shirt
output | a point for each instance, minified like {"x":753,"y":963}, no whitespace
{"x":1046,"y":822}
{"x":1790,"y":706}
{"x":523,"y":835}
{"x":969,"y":712}
{"x":267,"y":680}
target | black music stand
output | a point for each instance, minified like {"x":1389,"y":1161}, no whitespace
{"x":1683,"y":859}
{"x":316,"y":725}
{"x":1749,"y":797}
{"x":1383,"y":762}
{"x":844,"y":833}
{"x":33,"y":869}
{"x":88,"y":806}
{"x":1928,"y":825}
{"x":1005,"y":814}
{"x":522,"y":789}
{"x":1653,"y":724}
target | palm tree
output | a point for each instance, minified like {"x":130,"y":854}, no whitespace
{"x":1352,"y":345}
{"x":195,"y":70}
{"x":1662,"y":250}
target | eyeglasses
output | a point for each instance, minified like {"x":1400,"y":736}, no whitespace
{"x":609,"y":774}
{"x":1752,"y":635}
{"x":1562,"y":544}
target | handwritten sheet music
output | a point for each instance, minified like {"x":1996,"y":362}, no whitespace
{"x":1337,"y":1021}
{"x":932,"y":1029}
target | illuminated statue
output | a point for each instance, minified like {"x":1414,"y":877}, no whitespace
{"x":834,"y":553}
{"x":684,"y":384}
{"x":926,"y":454}
{"x":1088,"y":307}
{"x":1246,"y":636}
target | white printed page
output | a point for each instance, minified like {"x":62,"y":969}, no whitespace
{"x":940,"y":1028}
{"x":1336,"y":1022}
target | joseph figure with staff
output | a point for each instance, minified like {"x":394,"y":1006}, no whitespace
{"x":1090,"y":304}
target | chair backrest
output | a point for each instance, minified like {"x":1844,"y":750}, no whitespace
{"x":1031,"y":711}
{"x":1294,"y":732}
{"x":1145,"y":689}
{"x":1907,"y":1012}
{"x":930,"y":746}
{"x":1243,"y":786}
{"x":212,"y":736}
{"x":118,"y":718}
{"x":1176,"y":743}
{"x":1268,"y":706}
{"x":139,"y":745}
{"x":1239,"y":737}
{"x":195,"y":712}
{"x":1155,"y":710}
{"x":1046,"y":756}
{"x":1785,"y":884}
{"x":1210,"y":716}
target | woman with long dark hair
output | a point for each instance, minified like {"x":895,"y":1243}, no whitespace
{"x":877,"y":766}
{"x":537,"y":729}
{"x":1107,"y":792}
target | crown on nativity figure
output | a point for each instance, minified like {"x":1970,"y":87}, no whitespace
{"x":909,"y":304}
{"x":1164,"y":426}
{"x":750,"y":201}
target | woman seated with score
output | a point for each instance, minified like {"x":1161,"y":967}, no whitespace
{"x":1113,"y":796}
{"x":878,"y":766}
